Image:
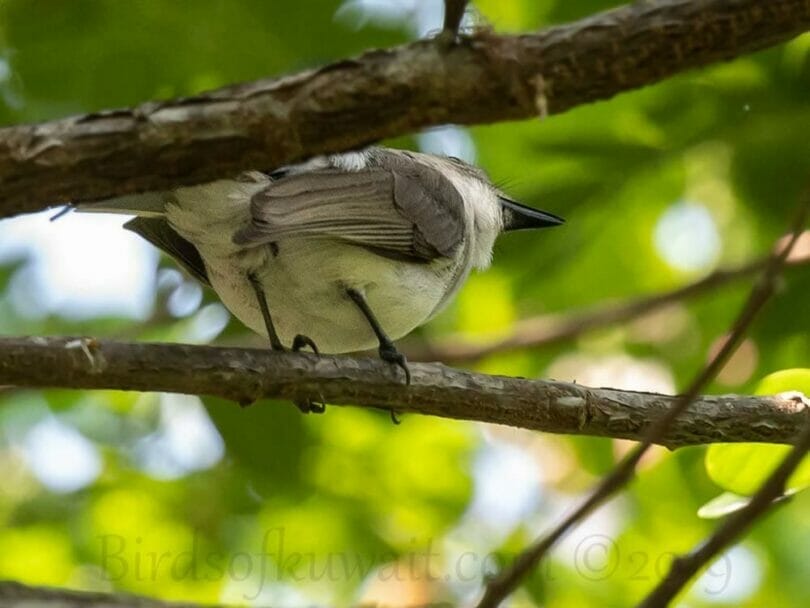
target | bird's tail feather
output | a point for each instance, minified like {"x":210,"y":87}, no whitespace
{"x":148,"y":204}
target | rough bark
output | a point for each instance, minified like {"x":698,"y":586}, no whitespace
{"x":245,"y":375}
{"x":485,"y":78}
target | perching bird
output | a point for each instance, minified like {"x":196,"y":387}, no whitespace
{"x":340,"y":253}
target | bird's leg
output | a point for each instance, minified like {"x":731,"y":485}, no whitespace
{"x":306,"y":406}
{"x":275,"y":343}
{"x":388,"y":352}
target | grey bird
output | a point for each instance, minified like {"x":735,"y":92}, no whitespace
{"x":339,"y":253}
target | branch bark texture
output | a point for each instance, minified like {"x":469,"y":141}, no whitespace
{"x":245,"y":375}
{"x":485,"y":78}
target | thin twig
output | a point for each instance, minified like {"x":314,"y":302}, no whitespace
{"x":503,"y":584}
{"x":684,"y":567}
{"x":545,"y":330}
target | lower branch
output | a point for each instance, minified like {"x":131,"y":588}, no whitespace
{"x":17,"y":595}
{"x":245,"y":375}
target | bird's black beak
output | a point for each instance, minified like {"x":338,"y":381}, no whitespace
{"x":521,"y":217}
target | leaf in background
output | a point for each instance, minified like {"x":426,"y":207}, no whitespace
{"x":721,"y":505}
{"x":729,"y":502}
{"x":797,"y":379}
{"x":266,"y":440}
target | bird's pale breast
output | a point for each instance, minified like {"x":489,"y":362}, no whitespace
{"x":306,"y":281}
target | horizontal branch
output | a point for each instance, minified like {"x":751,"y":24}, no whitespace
{"x":485,"y":78}
{"x":17,"y":595}
{"x":246,"y":375}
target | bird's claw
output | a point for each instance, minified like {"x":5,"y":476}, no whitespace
{"x":307,"y":406}
{"x":389,"y":353}
{"x":300,"y":341}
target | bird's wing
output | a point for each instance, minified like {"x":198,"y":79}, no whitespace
{"x":158,"y":232}
{"x":411,"y":213}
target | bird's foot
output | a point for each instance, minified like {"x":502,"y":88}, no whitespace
{"x":308,"y":406}
{"x":392,"y":413}
{"x":300,"y":341}
{"x":389,"y":353}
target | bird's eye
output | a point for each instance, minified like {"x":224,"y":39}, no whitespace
{"x":278,"y":173}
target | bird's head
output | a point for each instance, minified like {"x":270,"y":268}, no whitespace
{"x":513,"y":215}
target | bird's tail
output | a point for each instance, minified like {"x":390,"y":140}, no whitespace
{"x":148,"y":204}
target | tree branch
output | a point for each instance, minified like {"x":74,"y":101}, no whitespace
{"x":17,"y":595}
{"x":381,"y":93}
{"x":245,"y":375}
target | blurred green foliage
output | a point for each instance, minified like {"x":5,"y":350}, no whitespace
{"x":346,"y":507}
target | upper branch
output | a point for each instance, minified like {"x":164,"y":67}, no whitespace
{"x":245,"y":375}
{"x":484,"y":78}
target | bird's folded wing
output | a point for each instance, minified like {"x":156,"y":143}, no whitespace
{"x":396,"y":214}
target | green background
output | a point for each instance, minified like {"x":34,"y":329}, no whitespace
{"x":347,"y":507}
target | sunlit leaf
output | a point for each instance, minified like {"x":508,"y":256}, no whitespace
{"x":729,"y":502}
{"x":721,"y":505}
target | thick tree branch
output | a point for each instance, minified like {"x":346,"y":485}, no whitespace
{"x":382,"y":93}
{"x":244,"y":375}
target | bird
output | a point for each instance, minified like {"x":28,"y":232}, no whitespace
{"x":340,"y":253}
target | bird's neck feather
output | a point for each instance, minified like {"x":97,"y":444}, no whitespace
{"x":481,"y":204}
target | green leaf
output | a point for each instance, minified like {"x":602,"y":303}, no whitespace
{"x":729,"y":502}
{"x":742,"y":467}
{"x":722,"y":505}
{"x":797,"y":379}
